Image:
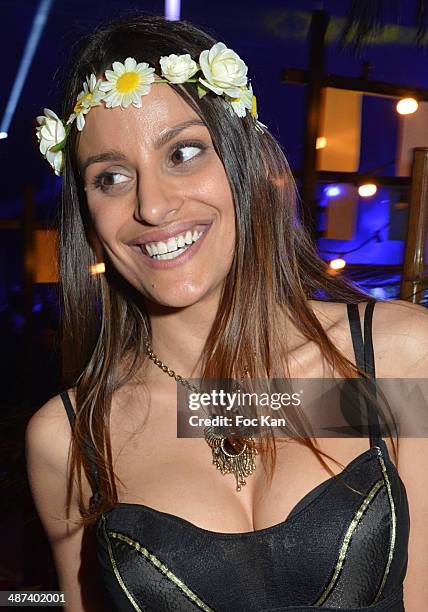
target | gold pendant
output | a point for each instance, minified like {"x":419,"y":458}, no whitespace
{"x":236,"y":458}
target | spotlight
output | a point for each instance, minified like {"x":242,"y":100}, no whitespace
{"x":407,"y":106}
{"x":337,"y":264}
{"x":172,"y":10}
{"x":367,"y":190}
{"x":39,"y":21}
{"x":3,"y":135}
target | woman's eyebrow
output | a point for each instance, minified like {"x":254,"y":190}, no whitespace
{"x":111,"y":155}
{"x":115,"y":155}
{"x":168,"y":134}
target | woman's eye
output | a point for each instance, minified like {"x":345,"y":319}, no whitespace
{"x":107,"y":180}
{"x":186,"y":151}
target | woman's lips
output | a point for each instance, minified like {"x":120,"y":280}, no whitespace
{"x":161,"y":264}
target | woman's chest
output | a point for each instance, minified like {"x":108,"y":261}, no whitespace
{"x":177,"y":476}
{"x":336,"y":552}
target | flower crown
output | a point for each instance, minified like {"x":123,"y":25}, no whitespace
{"x":224,"y":73}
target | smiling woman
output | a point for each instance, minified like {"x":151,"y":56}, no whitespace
{"x":171,"y":180}
{"x":160,"y":199}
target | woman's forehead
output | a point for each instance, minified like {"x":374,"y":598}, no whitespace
{"x":161,"y":109}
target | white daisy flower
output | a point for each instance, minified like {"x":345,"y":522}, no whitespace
{"x":90,"y":96}
{"x":126,"y":83}
{"x":178,"y":68}
{"x":260,"y":127}
{"x":224,"y":70}
{"x":51,"y":132}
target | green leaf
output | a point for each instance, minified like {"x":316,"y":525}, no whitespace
{"x":60,"y":145}
{"x":202,"y":91}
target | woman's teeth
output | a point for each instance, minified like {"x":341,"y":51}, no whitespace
{"x":173,"y":247}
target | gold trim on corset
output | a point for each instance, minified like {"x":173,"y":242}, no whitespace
{"x":393,"y":524}
{"x":161,"y":567}
{"x":116,"y":571}
{"x":353,"y":524}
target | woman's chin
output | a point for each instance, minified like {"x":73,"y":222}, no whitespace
{"x":182,"y":298}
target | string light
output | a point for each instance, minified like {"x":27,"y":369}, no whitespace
{"x":367,"y":190}
{"x":337,"y":264}
{"x":407,"y":106}
{"x":375,"y":236}
{"x":98,"y":268}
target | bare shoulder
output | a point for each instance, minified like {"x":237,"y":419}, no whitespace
{"x":48,"y":439}
{"x":399,"y":331}
{"x":400,"y":339}
{"x":397,"y":312}
{"x":48,"y":434}
{"x":406,"y":315}
{"x":47,"y":443}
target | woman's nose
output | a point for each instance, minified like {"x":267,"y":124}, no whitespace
{"x":157,"y":200}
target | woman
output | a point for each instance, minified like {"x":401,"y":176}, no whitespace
{"x":162,"y":151}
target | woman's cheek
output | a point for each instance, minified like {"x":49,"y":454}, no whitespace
{"x":106,"y":219}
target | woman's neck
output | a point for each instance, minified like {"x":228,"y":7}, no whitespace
{"x":179,"y":335}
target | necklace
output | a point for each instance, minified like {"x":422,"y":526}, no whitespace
{"x":230,"y":456}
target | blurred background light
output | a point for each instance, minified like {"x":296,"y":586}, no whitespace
{"x":407,"y":106}
{"x":332,"y":191}
{"x":172,"y":10}
{"x":40,"y":18}
{"x":98,"y":268}
{"x":337,"y":264}
{"x":367,"y":190}
{"x":379,"y":293}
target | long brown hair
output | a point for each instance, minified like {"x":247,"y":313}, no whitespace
{"x":275,"y":265}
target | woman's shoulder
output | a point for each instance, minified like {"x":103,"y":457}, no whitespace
{"x":398,"y":311}
{"x":53,"y":411}
{"x":48,"y":432}
{"x":48,"y":439}
{"x":399,"y":334}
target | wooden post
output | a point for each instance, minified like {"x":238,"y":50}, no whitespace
{"x":318,"y":29}
{"x":362,"y":84}
{"x":414,"y":258}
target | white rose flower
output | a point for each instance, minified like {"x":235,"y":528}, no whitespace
{"x":243,"y":102}
{"x":51,"y":132}
{"x":224,"y":71}
{"x":178,"y":68}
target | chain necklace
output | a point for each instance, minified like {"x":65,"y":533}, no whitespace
{"x":230,"y":456}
